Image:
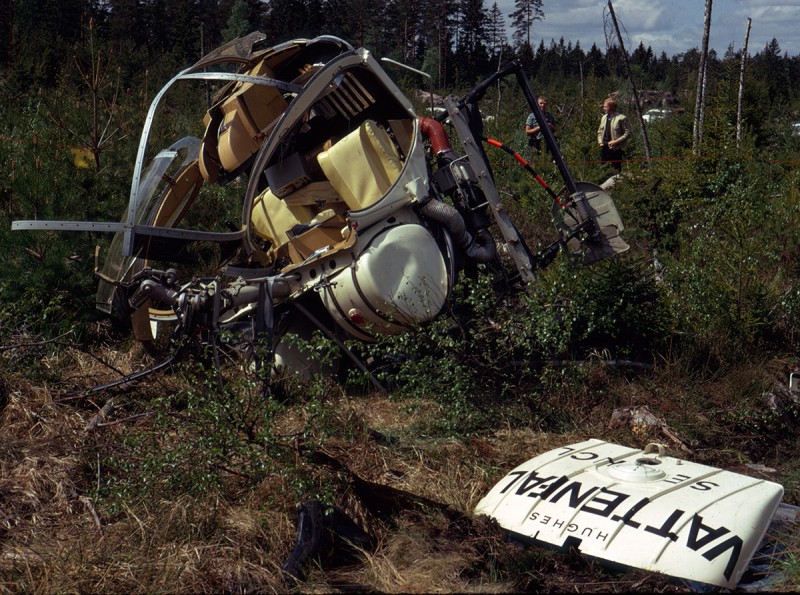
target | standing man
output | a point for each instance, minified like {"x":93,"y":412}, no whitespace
{"x":534,"y":131}
{"x":613,"y":134}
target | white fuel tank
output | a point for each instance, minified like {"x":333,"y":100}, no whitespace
{"x":637,"y":508}
{"x":398,"y":281}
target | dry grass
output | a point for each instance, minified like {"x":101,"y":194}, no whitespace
{"x":55,"y":538}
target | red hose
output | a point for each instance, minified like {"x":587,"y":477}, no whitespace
{"x":435,"y":132}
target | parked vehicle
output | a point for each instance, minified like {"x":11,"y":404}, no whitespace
{"x":653,"y":115}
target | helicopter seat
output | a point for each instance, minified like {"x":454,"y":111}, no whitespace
{"x":362,"y":166}
{"x":297,"y":229}
{"x":237,"y":126}
{"x":273,"y":218}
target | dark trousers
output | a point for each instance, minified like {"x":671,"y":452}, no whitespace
{"x":612,"y":156}
{"x":537,"y":146}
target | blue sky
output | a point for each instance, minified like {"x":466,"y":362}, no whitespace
{"x":673,"y":26}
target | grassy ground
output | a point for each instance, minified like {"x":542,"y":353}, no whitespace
{"x":75,"y":518}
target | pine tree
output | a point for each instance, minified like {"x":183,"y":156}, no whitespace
{"x":42,"y":32}
{"x":286,"y":19}
{"x":495,"y":31}
{"x":238,"y":21}
{"x":403,"y":29}
{"x":438,"y":33}
{"x":6,"y":16}
{"x":525,"y":13}
{"x":471,"y":50}
{"x":773,"y":69}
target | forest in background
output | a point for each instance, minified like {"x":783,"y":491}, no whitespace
{"x":697,"y":325}
{"x":458,"y":42}
{"x":76,"y":79}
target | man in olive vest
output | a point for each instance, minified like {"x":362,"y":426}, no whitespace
{"x":613,"y":134}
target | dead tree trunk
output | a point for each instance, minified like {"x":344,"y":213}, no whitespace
{"x":700,"y":101}
{"x":633,"y":83}
{"x":741,"y":83}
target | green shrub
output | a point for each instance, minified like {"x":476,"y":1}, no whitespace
{"x":212,"y":435}
{"x":614,"y":306}
{"x":491,"y":349}
{"x":724,"y":280}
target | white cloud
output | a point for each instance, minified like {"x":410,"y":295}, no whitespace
{"x":673,"y":26}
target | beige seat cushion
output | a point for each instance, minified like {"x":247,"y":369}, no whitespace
{"x":362,"y":166}
{"x":272,"y":218}
{"x":246,"y":117}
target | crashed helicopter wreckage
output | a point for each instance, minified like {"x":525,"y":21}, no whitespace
{"x":634,"y":508}
{"x":357,"y":215}
{"x":356,"y":218}
{"x":706,"y":528}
